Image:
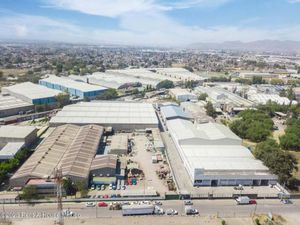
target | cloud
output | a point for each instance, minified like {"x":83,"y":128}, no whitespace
{"x":116,"y":8}
{"x":152,"y":30}
{"x":108,"y":8}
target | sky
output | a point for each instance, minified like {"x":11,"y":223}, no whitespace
{"x":149,"y":22}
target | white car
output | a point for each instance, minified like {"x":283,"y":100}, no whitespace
{"x":171,"y":212}
{"x":90,"y":204}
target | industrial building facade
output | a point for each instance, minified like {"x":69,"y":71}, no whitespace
{"x":74,"y":88}
{"x":126,"y":116}
{"x":214,"y":156}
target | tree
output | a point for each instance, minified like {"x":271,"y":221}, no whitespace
{"x":69,"y":186}
{"x":202,"y":97}
{"x":29,"y":192}
{"x":291,"y":139}
{"x":254,"y":125}
{"x":279,"y":162}
{"x":108,"y":94}
{"x":167,"y":84}
{"x":258,"y":80}
{"x":210,"y":111}
{"x":81,"y":187}
{"x":62,"y":99}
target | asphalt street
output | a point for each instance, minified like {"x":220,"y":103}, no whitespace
{"x":222,"y":208}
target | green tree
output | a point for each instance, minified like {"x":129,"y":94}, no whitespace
{"x":254,"y":125}
{"x":202,"y":97}
{"x":257,"y":80}
{"x":210,"y":111}
{"x":167,"y":84}
{"x":29,"y":192}
{"x":291,"y":139}
{"x":279,"y":162}
{"x":82,"y":188}
{"x":62,"y":99}
{"x":69,"y":186}
{"x":108,"y":94}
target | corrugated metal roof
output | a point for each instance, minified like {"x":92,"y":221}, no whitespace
{"x":72,"y":84}
{"x":70,"y":147}
{"x":31,"y":90}
{"x":171,"y":111}
{"x":106,"y":112}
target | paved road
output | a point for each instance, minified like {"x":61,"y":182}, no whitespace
{"x":223,"y":208}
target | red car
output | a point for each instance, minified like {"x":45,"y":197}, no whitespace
{"x":105,"y":196}
{"x":252,"y":202}
{"x":102,"y":204}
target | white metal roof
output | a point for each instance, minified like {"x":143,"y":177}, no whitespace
{"x":31,"y":90}
{"x":214,"y":157}
{"x":10,"y":149}
{"x":264,"y":98}
{"x":184,"y":130}
{"x":11,"y":131}
{"x":69,"y":83}
{"x":106,"y":112}
{"x":10,"y":102}
{"x":217,"y":94}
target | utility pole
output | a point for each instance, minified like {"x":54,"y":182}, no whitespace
{"x":58,"y":179}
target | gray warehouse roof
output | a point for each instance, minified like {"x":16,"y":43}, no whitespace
{"x":106,"y":112}
{"x":11,"y":131}
{"x":72,"y":84}
{"x":172,"y":112}
{"x":10,"y":102}
{"x":30,"y":91}
{"x":104,"y":161}
{"x":69,"y":147}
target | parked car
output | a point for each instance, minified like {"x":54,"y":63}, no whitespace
{"x":252,"y":202}
{"x":171,"y":212}
{"x":105,"y":196}
{"x":102,"y":204}
{"x":103,"y":187}
{"x":157,"y":203}
{"x":188,"y":202}
{"x":90,"y":204}
{"x":93,"y":187}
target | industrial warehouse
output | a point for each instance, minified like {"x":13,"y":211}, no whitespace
{"x":72,"y":87}
{"x":14,"y":138}
{"x":69,"y":148}
{"x":31,"y":93}
{"x":214,"y":156}
{"x":119,"y":115}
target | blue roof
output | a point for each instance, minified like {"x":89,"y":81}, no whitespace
{"x":171,"y":112}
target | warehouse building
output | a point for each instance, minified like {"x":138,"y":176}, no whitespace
{"x":104,"y":166}
{"x":171,"y":112}
{"x":251,"y":75}
{"x":224,"y":99}
{"x":121,"y":116}
{"x":14,"y":138}
{"x":182,"y":95}
{"x":10,"y":106}
{"x":31,"y":93}
{"x":74,"y":88}
{"x":71,"y":148}
{"x":214,"y":156}
{"x":119,"y":144}
{"x":179,"y":74}
{"x":264,"y":98}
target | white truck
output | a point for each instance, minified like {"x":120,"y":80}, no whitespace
{"x":243,"y":200}
{"x":141,"y":209}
